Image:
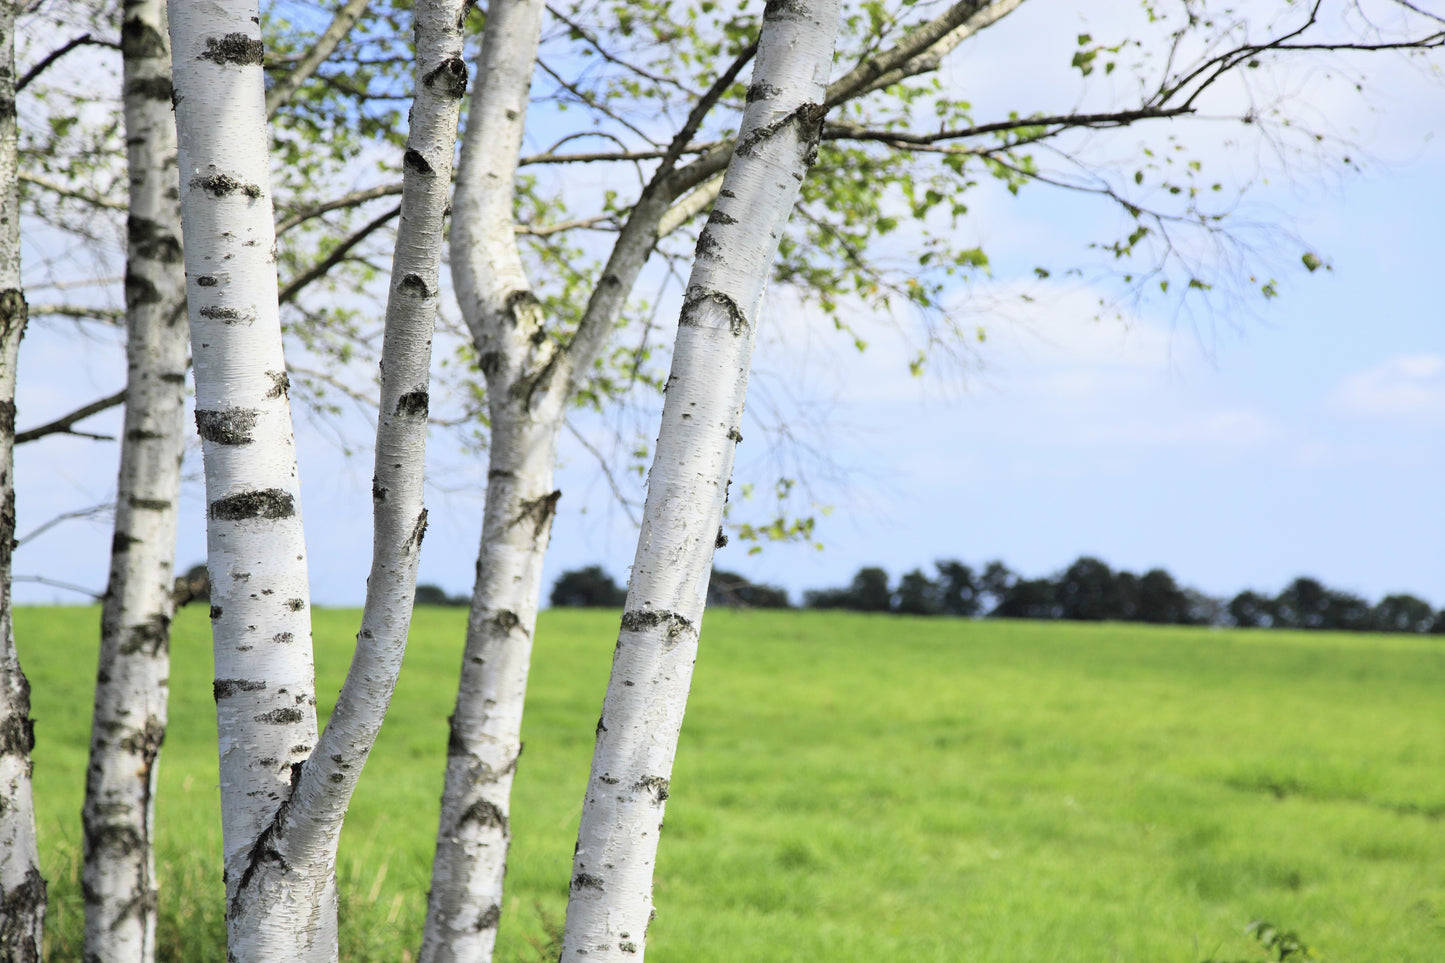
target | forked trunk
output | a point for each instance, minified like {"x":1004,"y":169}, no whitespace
{"x":610,"y":905}
{"x":129,"y":719}
{"x":22,"y":888}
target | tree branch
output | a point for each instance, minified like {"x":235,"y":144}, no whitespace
{"x":84,"y":40}
{"x":62,"y":425}
{"x":57,"y":584}
{"x":353,"y":199}
{"x":56,"y":187}
{"x":319,"y":269}
{"x":288,"y":83}
{"x":114,"y":316}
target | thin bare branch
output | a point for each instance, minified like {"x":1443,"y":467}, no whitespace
{"x":69,"y":587}
{"x":94,"y":510}
{"x":286,"y":84}
{"x":62,"y":425}
{"x":75,"y":193}
{"x":353,"y":199}
{"x":115,"y":316}
{"x":339,"y":254}
{"x":606,"y":55}
{"x":84,"y":40}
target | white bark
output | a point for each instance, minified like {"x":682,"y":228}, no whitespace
{"x":299,"y":847}
{"x":261,"y":625}
{"x":129,"y":720}
{"x":521,"y":366}
{"x":610,"y":905}
{"x":22,"y":888}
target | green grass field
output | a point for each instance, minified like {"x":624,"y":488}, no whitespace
{"x":873,"y":788}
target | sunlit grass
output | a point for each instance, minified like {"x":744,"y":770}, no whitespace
{"x":873,"y":788}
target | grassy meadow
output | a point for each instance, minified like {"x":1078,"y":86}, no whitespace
{"x":856,"y":788}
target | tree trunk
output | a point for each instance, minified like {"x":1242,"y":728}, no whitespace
{"x":610,"y":905}
{"x":261,"y":623}
{"x":298,"y":848}
{"x":130,"y":696}
{"x":22,"y":888}
{"x":520,"y":363}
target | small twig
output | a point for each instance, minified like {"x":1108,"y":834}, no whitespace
{"x":93,"y":510}
{"x":56,"y":584}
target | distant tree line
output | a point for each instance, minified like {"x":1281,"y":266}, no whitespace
{"x":1086,"y":591}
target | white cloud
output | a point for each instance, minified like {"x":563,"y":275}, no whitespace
{"x":1411,"y":386}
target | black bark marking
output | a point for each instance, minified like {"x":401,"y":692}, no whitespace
{"x":413,"y":161}
{"x":284,"y":638}
{"x":677,"y":625}
{"x":151,"y":637}
{"x":122,"y":542}
{"x":490,"y":363}
{"x":215,"y":612}
{"x":268,"y":503}
{"x":737,"y":321}
{"x":488,"y":918}
{"x":146,"y":742}
{"x":337,"y":777}
{"x":627,"y":946}
{"x":206,"y":281}
{"x":225,"y":688}
{"x":726,"y":193}
{"x":141,"y":434}
{"x":19,"y":909}
{"x":762,"y":90}
{"x":785,"y":10}
{"x":413,"y":285}
{"x":236,"y":49}
{"x":414,"y":404}
{"x":17,"y":731}
{"x":229,"y":426}
{"x":735,"y":435}
{"x":174,"y":377}
{"x":151,"y":88}
{"x":219,"y":185}
{"x":140,"y":290}
{"x":418,"y":532}
{"x":707,"y":245}
{"x":456,"y":745}
{"x":449,"y":78}
{"x":151,"y":504}
{"x":721,"y":539}
{"x":378,"y":493}
{"x":587,"y":881}
{"x":279,"y":717}
{"x":809,"y":120}
{"x":227,"y":315}
{"x":280,"y":384}
{"x":540,"y":510}
{"x":520,"y":303}
{"x":485,"y":814}
{"x":151,"y":241}
{"x":721,"y":217}
{"x":655,"y":786}
{"x":296,"y":605}
{"x":140,"y":41}
{"x":601,"y":727}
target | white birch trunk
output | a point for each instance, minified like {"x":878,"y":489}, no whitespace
{"x":129,"y":720}
{"x":610,"y":905}
{"x":298,"y":849}
{"x":22,"y":888}
{"x":521,"y":367}
{"x":260,"y":617}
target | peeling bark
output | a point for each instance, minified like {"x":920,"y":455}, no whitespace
{"x":610,"y":902}
{"x":22,"y":888}
{"x":129,"y":721}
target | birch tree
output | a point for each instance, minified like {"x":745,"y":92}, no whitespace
{"x":538,"y":340}
{"x":22,"y":888}
{"x":610,"y":904}
{"x":283,"y":802}
{"x":129,"y":720}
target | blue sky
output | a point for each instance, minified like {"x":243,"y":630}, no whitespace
{"x":1306,"y":436}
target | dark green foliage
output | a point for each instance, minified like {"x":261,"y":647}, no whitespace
{"x":436,"y":595}
{"x":736,"y":591}
{"x":587,"y":588}
{"x":193,"y":586}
